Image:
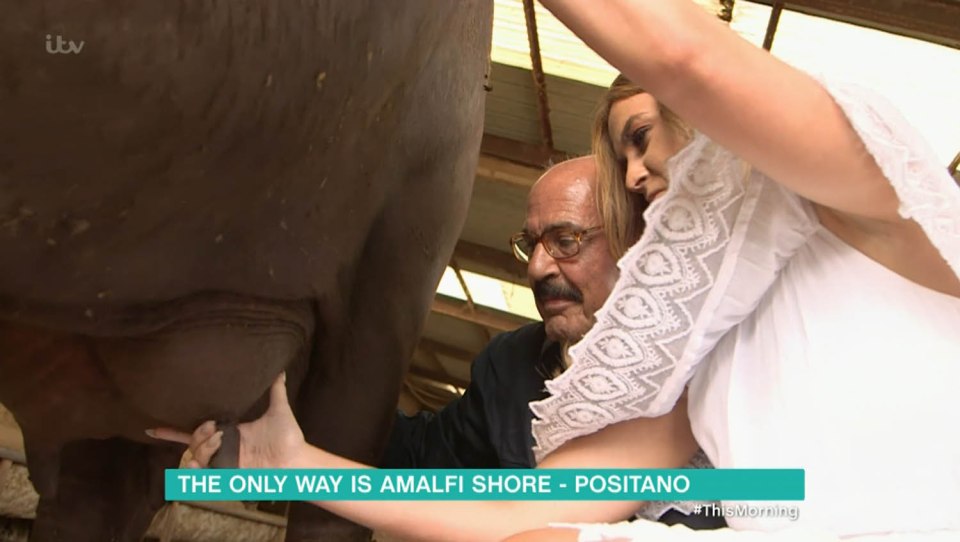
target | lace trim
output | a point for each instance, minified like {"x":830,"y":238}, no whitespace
{"x":653,"y":510}
{"x":927,"y":192}
{"x":637,"y":358}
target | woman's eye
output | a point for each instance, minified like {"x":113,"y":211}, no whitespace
{"x":639,"y":139}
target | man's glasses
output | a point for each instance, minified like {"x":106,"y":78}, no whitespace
{"x":560,"y":243}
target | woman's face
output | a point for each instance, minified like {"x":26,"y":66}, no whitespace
{"x":643,"y":142}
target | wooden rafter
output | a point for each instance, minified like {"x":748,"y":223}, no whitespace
{"x":463,"y":282}
{"x":438,"y":376}
{"x":932,"y":20}
{"x":484,"y":260}
{"x":471,"y":306}
{"x":490,"y":168}
{"x":772,"y":25}
{"x":519,"y":152}
{"x":539,"y":79}
{"x":446,"y":350}
{"x":484,"y":316}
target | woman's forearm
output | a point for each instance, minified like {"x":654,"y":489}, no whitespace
{"x":465,"y":521}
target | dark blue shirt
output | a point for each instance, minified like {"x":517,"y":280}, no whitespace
{"x":489,"y":426}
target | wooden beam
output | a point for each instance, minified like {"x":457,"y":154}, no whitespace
{"x":539,"y":79}
{"x":435,"y":349}
{"x":483,"y":316}
{"x":446,"y":350}
{"x":520,"y":152}
{"x":491,"y":262}
{"x":772,"y":25}
{"x":493,"y":169}
{"x":937,"y":21}
{"x":438,"y":376}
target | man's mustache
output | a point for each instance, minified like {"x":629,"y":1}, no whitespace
{"x":554,"y":289}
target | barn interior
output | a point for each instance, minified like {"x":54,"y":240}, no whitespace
{"x":543,"y":88}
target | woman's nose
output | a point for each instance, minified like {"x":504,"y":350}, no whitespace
{"x":636,"y":175}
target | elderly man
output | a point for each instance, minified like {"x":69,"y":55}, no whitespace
{"x":571,"y":272}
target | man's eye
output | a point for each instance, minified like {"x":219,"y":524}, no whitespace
{"x":566,"y":240}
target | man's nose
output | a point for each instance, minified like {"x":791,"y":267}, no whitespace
{"x":541,"y":264}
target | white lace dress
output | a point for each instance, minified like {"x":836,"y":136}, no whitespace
{"x":799,"y":351}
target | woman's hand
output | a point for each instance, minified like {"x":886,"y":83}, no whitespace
{"x":272,"y":441}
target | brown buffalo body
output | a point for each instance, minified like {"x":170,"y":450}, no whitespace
{"x":204,"y":194}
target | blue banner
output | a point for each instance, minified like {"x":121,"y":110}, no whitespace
{"x":484,"y":484}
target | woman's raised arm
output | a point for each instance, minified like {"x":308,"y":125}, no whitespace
{"x":772,"y":115}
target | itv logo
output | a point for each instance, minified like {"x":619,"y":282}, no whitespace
{"x":63,"y":47}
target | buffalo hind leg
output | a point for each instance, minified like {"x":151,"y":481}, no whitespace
{"x":107,"y":491}
{"x":365,"y":339}
{"x":360,"y":357}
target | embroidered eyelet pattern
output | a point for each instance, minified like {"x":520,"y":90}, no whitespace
{"x":631,"y":358}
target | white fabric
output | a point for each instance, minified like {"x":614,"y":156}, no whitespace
{"x":928,"y":194}
{"x":848,"y":371}
{"x":647,"y":531}
{"x":807,"y":354}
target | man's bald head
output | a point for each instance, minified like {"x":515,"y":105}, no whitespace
{"x":573,"y":171}
{"x":569,"y":290}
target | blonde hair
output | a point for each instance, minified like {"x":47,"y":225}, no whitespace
{"x":954,"y":168}
{"x":621,"y":211}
